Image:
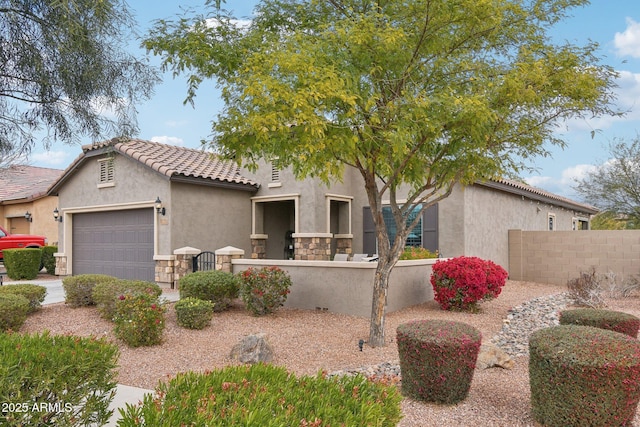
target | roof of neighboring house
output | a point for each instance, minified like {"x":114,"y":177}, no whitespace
{"x":179,"y":164}
{"x":533,"y":193}
{"x":19,"y":183}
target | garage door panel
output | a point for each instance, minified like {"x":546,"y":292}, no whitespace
{"x":117,"y":243}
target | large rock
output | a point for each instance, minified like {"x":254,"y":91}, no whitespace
{"x":252,"y":349}
{"x":492,"y":356}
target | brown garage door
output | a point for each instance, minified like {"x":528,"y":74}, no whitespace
{"x":117,"y":243}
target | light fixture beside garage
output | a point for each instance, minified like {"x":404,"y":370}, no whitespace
{"x":159,"y":208}
{"x":27,"y":216}
{"x":56,"y":215}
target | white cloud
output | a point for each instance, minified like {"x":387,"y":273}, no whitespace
{"x":562,"y":185}
{"x":628,"y":43}
{"x":171,"y":140}
{"x":50,"y":158}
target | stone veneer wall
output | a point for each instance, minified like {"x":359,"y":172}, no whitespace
{"x":344,"y":245}
{"x":312,"y":248}
{"x":258,"y":248}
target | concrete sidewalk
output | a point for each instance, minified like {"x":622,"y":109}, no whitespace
{"x":124,"y":393}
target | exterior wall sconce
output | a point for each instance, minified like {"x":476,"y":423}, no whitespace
{"x":27,"y":216}
{"x":159,"y":208}
{"x":56,"y":215}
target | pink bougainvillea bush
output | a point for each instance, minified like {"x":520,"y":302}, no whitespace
{"x":264,"y":290}
{"x":461,"y":283}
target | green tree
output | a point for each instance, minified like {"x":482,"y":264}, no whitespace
{"x":614,"y":185}
{"x":417,"y":95}
{"x":65,"y":72}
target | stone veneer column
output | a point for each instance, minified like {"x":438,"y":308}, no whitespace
{"x":165,"y":268}
{"x":258,"y":246}
{"x":344,"y":243}
{"x":183,"y":263}
{"x":312,"y":246}
{"x":224,"y":257}
{"x":61,"y":264}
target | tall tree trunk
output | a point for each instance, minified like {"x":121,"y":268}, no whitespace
{"x":380,"y":287}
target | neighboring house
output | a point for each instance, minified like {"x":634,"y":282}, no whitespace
{"x":110,"y":224}
{"x":25,"y":207}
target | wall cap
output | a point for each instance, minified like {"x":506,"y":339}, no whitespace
{"x":187,"y":250}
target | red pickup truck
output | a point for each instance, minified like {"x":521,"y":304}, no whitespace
{"x":16,"y":241}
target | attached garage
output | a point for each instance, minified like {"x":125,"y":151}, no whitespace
{"x":116,"y":243}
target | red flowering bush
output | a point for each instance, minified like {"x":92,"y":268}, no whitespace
{"x":263,"y":290}
{"x":139,"y":320}
{"x":460,"y":283}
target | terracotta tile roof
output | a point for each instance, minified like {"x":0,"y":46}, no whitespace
{"x":175,"y":162}
{"x":22,"y":182}
{"x":534,"y":193}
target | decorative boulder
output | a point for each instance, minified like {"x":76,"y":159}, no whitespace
{"x":493,"y":356}
{"x":252,"y":349}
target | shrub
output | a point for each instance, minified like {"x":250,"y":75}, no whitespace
{"x":460,"y":283}
{"x":194,"y":313}
{"x":139,"y":320}
{"x":437,"y":359}
{"x":22,"y":263}
{"x":13,"y":311}
{"x":34,"y":293}
{"x":414,"y":252}
{"x":586,"y":290}
{"x":265,"y":395}
{"x":56,"y":380}
{"x":48,"y":260}
{"x":106,"y":294}
{"x":616,"y":321}
{"x":219,"y":287}
{"x":583,"y":376}
{"x":264,"y":290}
{"x":78,"y":289}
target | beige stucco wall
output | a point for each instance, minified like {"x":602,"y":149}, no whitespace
{"x":558,"y":256}
{"x":347,"y":287}
{"x":41,"y":210}
{"x":489,"y":214}
{"x":134,"y":186}
{"x":208,"y":218}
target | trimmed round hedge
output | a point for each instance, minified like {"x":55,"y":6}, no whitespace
{"x":219,"y":287}
{"x":194,"y":313}
{"x":437,"y":359}
{"x":13,"y":311}
{"x":583,"y":376}
{"x":34,"y":293}
{"x":616,"y":321}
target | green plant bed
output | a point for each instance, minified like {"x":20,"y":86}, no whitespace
{"x":616,"y":321}
{"x":583,"y":376}
{"x":48,"y":380}
{"x":34,"y":293}
{"x":437,"y":359}
{"x":265,"y":396}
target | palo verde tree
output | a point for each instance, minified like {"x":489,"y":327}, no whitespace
{"x":614,"y":186}
{"x":418,"y":95}
{"x":65,"y":72}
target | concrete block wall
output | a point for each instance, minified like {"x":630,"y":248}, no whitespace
{"x":558,"y":256}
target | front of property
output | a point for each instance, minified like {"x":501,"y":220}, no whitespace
{"x":127,"y":206}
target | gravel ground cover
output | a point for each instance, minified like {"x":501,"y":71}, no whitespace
{"x":306,"y":342}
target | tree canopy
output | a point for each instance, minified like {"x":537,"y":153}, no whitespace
{"x":417,"y":95}
{"x":65,"y":72}
{"x":614,"y":186}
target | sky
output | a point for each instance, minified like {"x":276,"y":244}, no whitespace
{"x":613,"y":24}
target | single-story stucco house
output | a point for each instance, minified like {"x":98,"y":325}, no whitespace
{"x":127,"y":205}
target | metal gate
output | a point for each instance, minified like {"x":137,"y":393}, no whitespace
{"x":205,"y":261}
